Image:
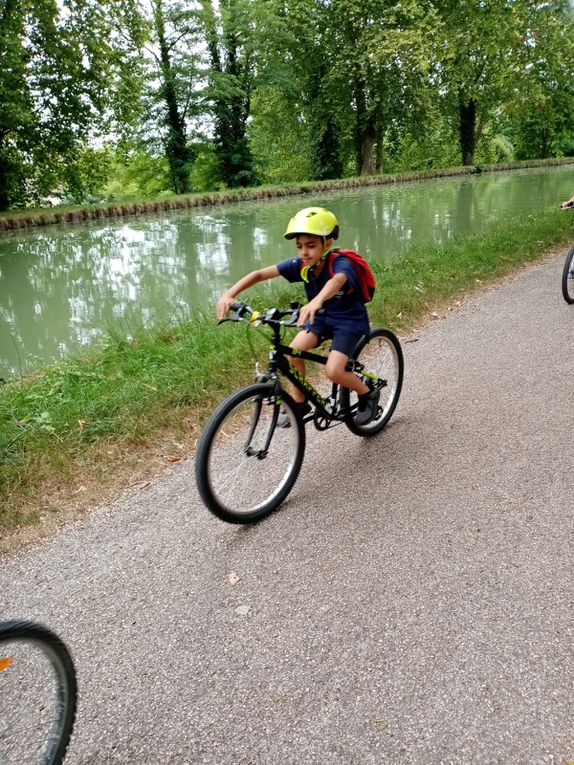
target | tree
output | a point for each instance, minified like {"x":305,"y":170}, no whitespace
{"x":384,"y":56}
{"x":473,"y":62}
{"x":59,"y":71}
{"x":296,"y":60}
{"x":171,"y":70}
{"x":542,"y":100}
{"x":228,"y":33}
{"x":354,"y":69}
{"x":279,"y":136}
{"x":171,"y":25}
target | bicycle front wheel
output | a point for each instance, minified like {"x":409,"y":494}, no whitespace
{"x":568,"y":277}
{"x":245,"y":465}
{"x":38,"y":695}
{"x":382,"y":357}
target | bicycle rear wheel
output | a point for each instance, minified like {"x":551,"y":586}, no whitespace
{"x":242,"y":476}
{"x":568,"y":277}
{"x":382,"y":357}
{"x":38,"y":695}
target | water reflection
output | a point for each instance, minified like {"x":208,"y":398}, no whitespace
{"x":62,"y":289}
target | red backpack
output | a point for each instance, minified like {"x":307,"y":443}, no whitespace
{"x":362,"y":270}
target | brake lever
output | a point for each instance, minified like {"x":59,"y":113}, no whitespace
{"x":239,"y":311}
{"x":292,"y":322}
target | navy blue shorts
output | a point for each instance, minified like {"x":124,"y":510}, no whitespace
{"x":344,"y":338}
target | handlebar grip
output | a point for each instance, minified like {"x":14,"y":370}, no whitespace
{"x":241,"y":309}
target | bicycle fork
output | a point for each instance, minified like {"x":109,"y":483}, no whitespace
{"x":275,"y":400}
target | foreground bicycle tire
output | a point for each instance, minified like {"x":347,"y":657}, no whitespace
{"x":235,"y":481}
{"x":382,"y":355}
{"x":38,"y":695}
{"x":568,"y":277}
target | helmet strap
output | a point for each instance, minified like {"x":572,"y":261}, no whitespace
{"x":305,"y":270}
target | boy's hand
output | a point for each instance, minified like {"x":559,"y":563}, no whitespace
{"x":224,"y":306}
{"x":307,"y":312}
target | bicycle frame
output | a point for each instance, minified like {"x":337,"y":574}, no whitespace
{"x":279,"y":361}
{"x":326,"y":409}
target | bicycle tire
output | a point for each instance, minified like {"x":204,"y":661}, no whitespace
{"x":382,"y":355}
{"x":568,"y":277}
{"x":232,"y":476}
{"x":38,"y":695}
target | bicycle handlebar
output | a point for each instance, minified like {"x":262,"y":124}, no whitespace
{"x":244,"y":312}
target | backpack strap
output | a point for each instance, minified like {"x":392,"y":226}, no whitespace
{"x":363,"y":273}
{"x":331,"y":257}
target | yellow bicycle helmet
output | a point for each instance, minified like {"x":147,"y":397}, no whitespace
{"x":313,"y":220}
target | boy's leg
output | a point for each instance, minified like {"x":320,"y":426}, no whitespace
{"x":368,"y":399}
{"x":337,"y":373}
{"x":303,"y":341}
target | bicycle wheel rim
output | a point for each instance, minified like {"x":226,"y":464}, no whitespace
{"x":237,"y":480}
{"x":37,"y":695}
{"x":568,"y":277}
{"x":382,"y":356}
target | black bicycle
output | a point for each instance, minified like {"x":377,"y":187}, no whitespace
{"x":568,"y":270}
{"x":38,"y":695}
{"x":246,"y":465}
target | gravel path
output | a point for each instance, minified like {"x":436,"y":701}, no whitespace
{"x":412,"y":601}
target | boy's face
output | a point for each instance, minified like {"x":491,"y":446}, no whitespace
{"x":310,"y":248}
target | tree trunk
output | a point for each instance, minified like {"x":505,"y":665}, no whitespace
{"x":379,"y":155}
{"x":467,"y":130}
{"x":231,"y":112}
{"x":4,"y":184}
{"x":545,"y":143}
{"x":176,"y":145}
{"x":365,"y":129}
{"x":368,"y":144}
{"x":326,"y":147}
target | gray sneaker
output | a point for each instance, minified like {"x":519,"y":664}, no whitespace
{"x":283,"y":420}
{"x":368,"y":407}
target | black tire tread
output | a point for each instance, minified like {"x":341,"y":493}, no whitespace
{"x":568,"y":266}
{"x":23,"y":630}
{"x":364,"y":430}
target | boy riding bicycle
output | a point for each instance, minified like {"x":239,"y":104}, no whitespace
{"x":334,"y":289}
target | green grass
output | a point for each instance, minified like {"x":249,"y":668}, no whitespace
{"x":78,"y":421}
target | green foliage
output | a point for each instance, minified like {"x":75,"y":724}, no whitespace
{"x":59,"y":71}
{"x":135,"y":176}
{"x":433,"y":146}
{"x":515,"y":56}
{"x":500,"y":149}
{"x":541,"y":108}
{"x":205,"y":174}
{"x":279,"y":137}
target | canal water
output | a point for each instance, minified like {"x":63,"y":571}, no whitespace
{"x":61,"y":289}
